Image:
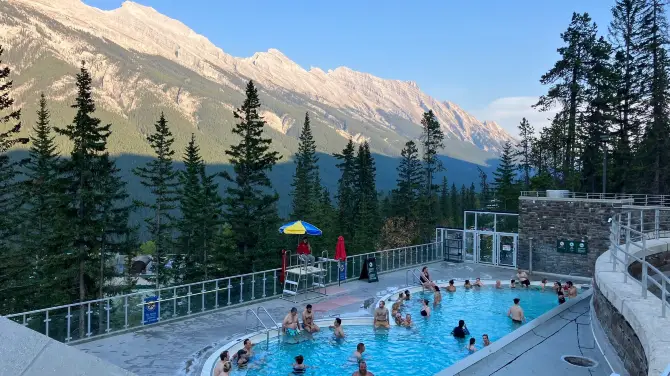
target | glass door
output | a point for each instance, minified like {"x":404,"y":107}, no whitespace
{"x":469,"y":246}
{"x":506,"y":247}
{"x":486,"y":249}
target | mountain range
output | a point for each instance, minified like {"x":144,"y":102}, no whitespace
{"x":143,"y":62}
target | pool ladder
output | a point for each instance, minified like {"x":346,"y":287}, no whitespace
{"x":260,"y":324}
{"x":415,"y":272}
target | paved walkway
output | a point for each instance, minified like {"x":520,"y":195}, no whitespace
{"x":181,"y":347}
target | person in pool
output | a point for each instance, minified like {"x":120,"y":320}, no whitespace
{"x":561,"y":297}
{"x":362,"y":370}
{"x":543,"y":284}
{"x":451,"y":287}
{"x":337,"y":328}
{"x":401,"y":298}
{"x":572,"y":290}
{"x":220,"y":366}
{"x":425,"y":309}
{"x":395,"y":309}
{"x":471,"y":346}
{"x":478,"y":283}
{"x":299,"y":366}
{"x":290,"y":323}
{"x":499,"y":284}
{"x":308,"y":320}
{"x":244,"y":354}
{"x":467,"y":284}
{"x":407,"y":322}
{"x":437,"y":297}
{"x":512,"y":284}
{"x":407,"y":297}
{"x":397,"y":318}
{"x":522,"y":276}
{"x":516,"y":312}
{"x":557,"y":286}
{"x":381,"y":316}
{"x":461,"y":330}
{"x":485,"y":340}
{"x":358,"y":354}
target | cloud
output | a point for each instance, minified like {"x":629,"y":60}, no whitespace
{"x":509,"y":111}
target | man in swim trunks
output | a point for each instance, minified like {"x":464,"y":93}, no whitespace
{"x":244,"y":354}
{"x":308,"y":320}
{"x":290,"y":323}
{"x":381,"y":316}
{"x":224,"y":358}
{"x":451,"y":287}
{"x":358,"y":354}
{"x":516,"y":312}
{"x":485,"y":339}
{"x":572,"y":290}
{"x":337,"y":328}
{"x":362,"y":370}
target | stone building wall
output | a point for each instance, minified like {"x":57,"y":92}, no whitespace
{"x":621,"y":335}
{"x":547,"y":220}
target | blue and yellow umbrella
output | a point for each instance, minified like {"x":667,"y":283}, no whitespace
{"x":299,"y":228}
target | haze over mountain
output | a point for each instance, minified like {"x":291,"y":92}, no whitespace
{"x":144,"y":62}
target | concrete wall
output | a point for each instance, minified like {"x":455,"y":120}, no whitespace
{"x":547,"y":220}
{"x":27,"y":353}
{"x":621,"y":335}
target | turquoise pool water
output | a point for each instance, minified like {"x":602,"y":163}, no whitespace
{"x":398,"y":351}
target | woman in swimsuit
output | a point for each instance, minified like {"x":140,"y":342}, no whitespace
{"x":425,"y":278}
{"x":437,"y":297}
{"x":408,"y":321}
{"x":467,"y":284}
{"x":425,"y":309}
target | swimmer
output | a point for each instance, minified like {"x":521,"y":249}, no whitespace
{"x":512,"y":284}
{"x":290,"y":323}
{"x":425,"y":309}
{"x":485,"y":340}
{"x":516,"y":312}
{"x":467,"y":284}
{"x":561,"y":297}
{"x":395,"y":308}
{"x":407,"y":297}
{"x":244,"y":354}
{"x":401,"y":298}
{"x":358,"y":354}
{"x":397,"y":318}
{"x":461,"y":330}
{"x":478,"y":283}
{"x":299,"y":366}
{"x":337,"y":328}
{"x":437,"y":297}
{"x":572,"y":290}
{"x":557,"y":286}
{"x":408,"y":321}
{"x":451,"y":287}
{"x":471,"y":346}
{"x":499,"y":284}
{"x":381,"y":316}
{"x":220,"y":366}
{"x":362,"y":370}
{"x":308,"y":320}
{"x":543,"y":284}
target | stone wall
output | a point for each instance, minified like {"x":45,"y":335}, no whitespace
{"x":620,"y":334}
{"x":547,"y":220}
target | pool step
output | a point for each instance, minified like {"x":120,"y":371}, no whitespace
{"x":289,"y":292}
{"x":321,"y":285}
{"x":294,"y":283}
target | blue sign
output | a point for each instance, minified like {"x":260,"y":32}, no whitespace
{"x":343,"y":270}
{"x":151,"y":310}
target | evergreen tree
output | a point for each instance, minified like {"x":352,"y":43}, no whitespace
{"x":471,"y":201}
{"x":654,"y":151}
{"x":507,"y":192}
{"x":94,"y":196}
{"x":211,"y":210}
{"x":190,"y":206}
{"x":367,"y":222}
{"x":445,"y":203}
{"x":432,"y":138}
{"x":409,"y":182}
{"x":456,"y":207}
{"x":485,"y":191}
{"x":248,"y":203}
{"x":160,"y":178}
{"x":625,"y":33}
{"x":346,"y":201}
{"x":525,"y":145}
{"x":306,"y":183}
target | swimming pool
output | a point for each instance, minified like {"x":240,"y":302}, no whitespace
{"x":399,"y":350}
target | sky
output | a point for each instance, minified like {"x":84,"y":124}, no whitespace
{"x":486,"y":56}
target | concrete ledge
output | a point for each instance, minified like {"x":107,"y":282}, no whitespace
{"x":643,"y":315}
{"x":27,"y":353}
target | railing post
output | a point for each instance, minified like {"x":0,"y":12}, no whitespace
{"x":230,"y":288}
{"x":108,"y":308}
{"x":264,"y":280}
{"x":125,"y":312}
{"x":216,"y":294}
{"x":174,"y":303}
{"x":46,"y":321}
{"x":645,"y":268}
{"x":241,"y":289}
{"x":88,"y":312}
{"x":69,"y":315}
{"x":405,"y":252}
{"x":664,"y":300}
{"x":188,"y":300}
{"x":202,"y":291}
{"x":275,"y":284}
{"x":253,"y":286}
{"x":657,"y":223}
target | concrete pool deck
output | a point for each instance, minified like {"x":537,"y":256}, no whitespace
{"x":181,"y":347}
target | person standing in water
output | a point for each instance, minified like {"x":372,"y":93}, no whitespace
{"x":357,"y":356}
{"x":451,"y":287}
{"x":485,"y":340}
{"x":461,"y":330}
{"x":362,"y":370}
{"x":299,"y":366}
{"x":471,"y":346}
{"x":337,"y":328}
{"x":516,"y":312}
{"x":425,"y":309}
{"x":437,"y":297}
{"x":220,"y":366}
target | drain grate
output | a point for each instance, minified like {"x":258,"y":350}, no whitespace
{"x":579,"y":361}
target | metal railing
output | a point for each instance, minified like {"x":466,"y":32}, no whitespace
{"x":634,"y":199}
{"x":630,"y":234}
{"x":82,"y":321}
{"x":416,"y":276}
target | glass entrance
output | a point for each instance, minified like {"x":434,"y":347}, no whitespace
{"x":469,"y":245}
{"x":486,"y":248}
{"x":506,"y":247}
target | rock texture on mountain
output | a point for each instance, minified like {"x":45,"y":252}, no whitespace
{"x":142,"y":61}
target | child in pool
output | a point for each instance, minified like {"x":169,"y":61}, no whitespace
{"x":299,"y":366}
{"x":471,"y":347}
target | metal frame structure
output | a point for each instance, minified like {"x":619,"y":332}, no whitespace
{"x":494,"y":241}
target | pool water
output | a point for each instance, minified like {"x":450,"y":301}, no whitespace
{"x":425,"y":349}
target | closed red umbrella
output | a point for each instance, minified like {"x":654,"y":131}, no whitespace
{"x":340,"y":252}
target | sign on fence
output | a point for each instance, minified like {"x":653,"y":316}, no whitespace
{"x":151,"y":310}
{"x":369,"y":270}
{"x":342,"y":267}
{"x":572,"y":246}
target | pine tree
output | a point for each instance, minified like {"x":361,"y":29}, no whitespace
{"x":190,"y":206}
{"x":654,"y":151}
{"x":248,"y":204}
{"x":432,"y":139}
{"x":409,"y":182}
{"x":624,"y":32}
{"x":445,"y":203}
{"x":507,"y":192}
{"x":211,"y":210}
{"x":367,"y":222}
{"x":94,"y":196}
{"x":471,"y":201}
{"x":160,"y":178}
{"x":524,"y":150}
{"x":484,"y":188}
{"x":456,"y":207}
{"x":345,"y":191}
{"x":306,"y":183}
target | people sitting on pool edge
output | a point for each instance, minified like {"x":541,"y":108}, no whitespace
{"x":244,"y":354}
{"x":516,"y":312}
{"x":362,"y":370}
{"x":425,"y":279}
{"x":337,"y":328}
{"x":221,"y":365}
{"x":381,"y":319}
{"x":522,"y":277}
{"x":308,"y":320}
{"x":299,"y":366}
{"x":290,"y":323}
{"x":461,"y":330}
